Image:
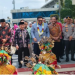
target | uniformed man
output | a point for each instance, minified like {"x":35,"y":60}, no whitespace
{"x":69,"y":36}
{"x":55,"y":33}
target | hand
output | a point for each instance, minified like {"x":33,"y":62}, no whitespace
{"x":35,"y":39}
{"x":28,"y":45}
{"x":4,"y":40}
{"x":17,"y":47}
{"x":32,"y":43}
{"x":70,"y":38}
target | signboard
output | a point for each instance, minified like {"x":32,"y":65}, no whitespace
{"x":73,"y":2}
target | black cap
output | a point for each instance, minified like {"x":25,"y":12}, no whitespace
{"x":68,"y":17}
{"x":2,"y":20}
{"x":21,"y":23}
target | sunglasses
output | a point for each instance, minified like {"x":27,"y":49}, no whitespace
{"x":40,"y":20}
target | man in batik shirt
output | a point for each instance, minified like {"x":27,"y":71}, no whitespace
{"x":5,"y":35}
{"x":55,"y":33}
{"x":22,"y":40}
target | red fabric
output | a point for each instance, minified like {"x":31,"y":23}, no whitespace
{"x":54,"y":63}
{"x":15,"y":73}
{"x":60,"y":27}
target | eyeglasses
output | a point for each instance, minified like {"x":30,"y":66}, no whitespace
{"x":40,"y":20}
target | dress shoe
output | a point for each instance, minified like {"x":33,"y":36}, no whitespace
{"x":58,"y":61}
{"x":20,"y":66}
{"x":61,"y":58}
{"x":72,"y":59}
{"x":67,"y":60}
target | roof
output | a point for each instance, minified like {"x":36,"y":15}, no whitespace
{"x":48,"y":2}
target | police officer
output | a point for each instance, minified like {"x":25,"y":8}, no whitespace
{"x":69,"y":36}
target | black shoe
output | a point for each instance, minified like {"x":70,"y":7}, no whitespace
{"x":72,"y":59}
{"x":67,"y":60}
{"x":61,"y":58}
{"x":20,"y":66}
{"x":58,"y":61}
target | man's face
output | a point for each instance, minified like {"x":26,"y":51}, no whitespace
{"x":7,"y":24}
{"x":54,"y":20}
{"x":71,"y":20}
{"x":74,"y":21}
{"x":65,"y":20}
{"x":44,"y":20}
{"x":22,"y":27}
{"x":3,"y":24}
{"x":30,"y":25}
{"x":40,"y":21}
{"x":26,"y":24}
{"x":68,"y":21}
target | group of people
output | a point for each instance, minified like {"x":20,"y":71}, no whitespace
{"x":26,"y":36}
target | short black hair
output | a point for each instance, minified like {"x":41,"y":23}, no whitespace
{"x":55,"y":17}
{"x":26,"y":21}
{"x":21,"y":23}
{"x":21,"y":20}
{"x":2,"y":20}
{"x":39,"y":17}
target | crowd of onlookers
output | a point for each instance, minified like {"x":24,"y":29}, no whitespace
{"x":26,"y":35}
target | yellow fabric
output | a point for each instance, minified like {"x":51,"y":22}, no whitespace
{"x":7,"y":69}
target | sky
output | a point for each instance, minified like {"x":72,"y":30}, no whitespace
{"x":6,"y":6}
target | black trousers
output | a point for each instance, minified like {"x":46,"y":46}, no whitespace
{"x":26,"y":53}
{"x":36,"y":49}
{"x":62,"y":47}
{"x":56,"y":50}
{"x":69,"y":46}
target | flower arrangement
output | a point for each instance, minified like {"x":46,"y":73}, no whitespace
{"x":41,"y":69}
{"x":4,"y":57}
{"x":46,"y":44}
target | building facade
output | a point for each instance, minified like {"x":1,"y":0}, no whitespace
{"x":30,"y":15}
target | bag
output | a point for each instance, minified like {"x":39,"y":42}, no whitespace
{"x":13,"y":50}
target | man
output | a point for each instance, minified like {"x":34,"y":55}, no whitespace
{"x":44,"y":20}
{"x":64,"y":20}
{"x":39,"y":30}
{"x":22,"y":40}
{"x":71,"y":21}
{"x":69,"y":36}
{"x":5,"y":35}
{"x":29,"y":31}
{"x":55,"y":33}
{"x":61,"y":40}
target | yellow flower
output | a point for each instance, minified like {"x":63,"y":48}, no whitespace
{"x":40,"y":69}
{"x":46,"y":47}
{"x":44,"y":71}
{"x":48,"y":72}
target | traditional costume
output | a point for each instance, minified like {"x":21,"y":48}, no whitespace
{"x":47,"y":60}
{"x":4,"y":67}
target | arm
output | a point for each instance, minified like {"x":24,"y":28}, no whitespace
{"x":47,"y":32}
{"x":59,"y":32}
{"x":16,"y":38}
{"x":9,"y":34}
{"x":28,"y":38}
{"x":73,"y":35}
{"x":32,"y":32}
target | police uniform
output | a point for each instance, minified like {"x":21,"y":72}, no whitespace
{"x":69,"y":30}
